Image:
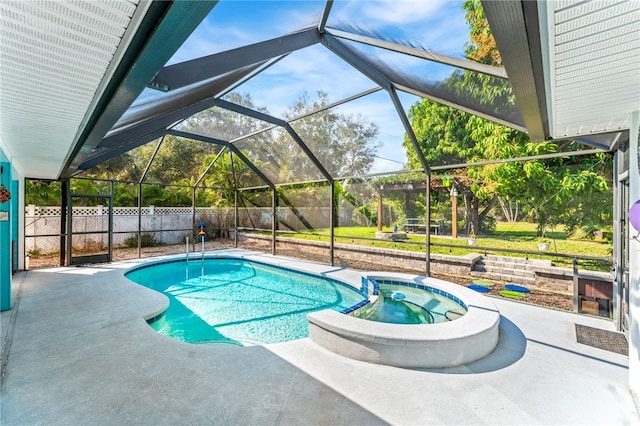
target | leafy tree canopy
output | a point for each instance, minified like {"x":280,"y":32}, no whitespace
{"x":450,"y":136}
{"x":344,"y":144}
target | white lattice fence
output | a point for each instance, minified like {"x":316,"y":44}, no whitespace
{"x":169,"y":225}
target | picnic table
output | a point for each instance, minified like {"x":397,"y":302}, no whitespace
{"x":417,"y":224}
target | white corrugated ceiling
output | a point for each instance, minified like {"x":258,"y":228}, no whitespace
{"x":594,"y":54}
{"x":55,"y":59}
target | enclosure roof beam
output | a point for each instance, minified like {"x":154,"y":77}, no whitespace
{"x":407,"y":128}
{"x":234,"y":149}
{"x":379,"y":78}
{"x":325,"y":16}
{"x":150,"y":121}
{"x":365,"y":67}
{"x":218,"y":155}
{"x":335,"y":104}
{"x":519,"y":159}
{"x":249,"y":112}
{"x":421,"y":53}
{"x":196,"y":70}
{"x":389,"y":78}
{"x":153,"y":157}
{"x":424,"y":94}
{"x":106,"y":154}
{"x":294,"y":135}
{"x":278,"y":122}
{"x":256,"y":70}
{"x":169,"y":109}
{"x":315,"y":111}
{"x":254,"y":133}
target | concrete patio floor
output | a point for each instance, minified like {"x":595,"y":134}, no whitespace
{"x":80,"y":353}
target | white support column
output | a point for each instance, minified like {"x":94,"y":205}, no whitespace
{"x":634,"y":262}
{"x":21,"y":206}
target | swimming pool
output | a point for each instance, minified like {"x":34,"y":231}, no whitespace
{"x":239,"y":302}
{"x":336,"y":322}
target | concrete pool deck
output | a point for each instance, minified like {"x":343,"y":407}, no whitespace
{"x":79,"y":352}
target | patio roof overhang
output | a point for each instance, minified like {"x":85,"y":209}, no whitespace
{"x":71,"y":69}
{"x":574,"y":66}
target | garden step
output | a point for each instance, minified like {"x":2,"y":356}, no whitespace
{"x":517,"y":260}
{"x":503,"y":270}
{"x":505,"y":265}
{"x":495,"y":258}
{"x":507,"y":278}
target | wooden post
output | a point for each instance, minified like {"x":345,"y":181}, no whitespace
{"x":454,"y":213}
{"x":379,"y":210}
{"x":428,"y":222}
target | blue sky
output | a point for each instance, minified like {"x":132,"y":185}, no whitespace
{"x":437,"y":25}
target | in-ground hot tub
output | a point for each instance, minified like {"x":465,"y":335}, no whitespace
{"x":468,"y":338}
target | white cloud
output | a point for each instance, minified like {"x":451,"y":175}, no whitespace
{"x":438,"y":26}
{"x":400,"y":12}
{"x":311,"y":70}
{"x":233,"y":24}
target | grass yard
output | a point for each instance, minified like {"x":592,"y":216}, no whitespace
{"x":519,"y":236}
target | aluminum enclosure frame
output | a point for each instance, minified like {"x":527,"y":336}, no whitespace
{"x":198,"y":84}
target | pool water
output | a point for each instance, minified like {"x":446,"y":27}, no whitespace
{"x":239,"y":302}
{"x":400,"y":304}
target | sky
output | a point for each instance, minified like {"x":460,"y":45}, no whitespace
{"x":436,"y":25}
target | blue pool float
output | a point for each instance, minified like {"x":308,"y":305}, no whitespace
{"x":478,"y":288}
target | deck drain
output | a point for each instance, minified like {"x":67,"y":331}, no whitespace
{"x":602,"y":339}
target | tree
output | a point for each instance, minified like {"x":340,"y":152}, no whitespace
{"x":449,"y":136}
{"x":482,"y":46}
{"x":345,"y":144}
{"x":444,"y":138}
{"x":124,"y":167}
{"x":178,"y":161}
{"x":42,"y":192}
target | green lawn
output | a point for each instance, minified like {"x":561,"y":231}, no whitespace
{"x":513,"y":236}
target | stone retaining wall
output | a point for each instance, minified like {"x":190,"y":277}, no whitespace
{"x":546,"y":277}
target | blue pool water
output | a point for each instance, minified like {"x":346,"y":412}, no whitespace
{"x":401,"y":304}
{"x":239,"y":302}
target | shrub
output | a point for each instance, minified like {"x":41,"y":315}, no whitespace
{"x":34,"y":252}
{"x":147,"y":239}
{"x":488,"y":225}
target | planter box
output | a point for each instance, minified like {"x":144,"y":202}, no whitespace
{"x":394,"y":236}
